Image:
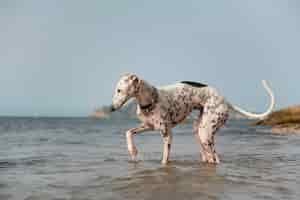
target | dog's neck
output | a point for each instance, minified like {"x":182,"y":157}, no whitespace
{"x":146,"y":95}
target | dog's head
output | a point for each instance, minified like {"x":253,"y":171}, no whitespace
{"x":126,"y":88}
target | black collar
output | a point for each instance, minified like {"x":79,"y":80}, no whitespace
{"x":149,"y":107}
{"x":146,"y":106}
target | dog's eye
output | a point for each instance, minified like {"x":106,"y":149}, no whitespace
{"x":118,"y":90}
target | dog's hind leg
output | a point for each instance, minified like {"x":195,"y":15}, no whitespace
{"x":207,"y":142}
{"x":197,"y":137}
{"x":211,"y":121}
{"x":203,"y":154}
{"x":130,"y":143}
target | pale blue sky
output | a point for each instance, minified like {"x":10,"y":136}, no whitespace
{"x":63,"y":58}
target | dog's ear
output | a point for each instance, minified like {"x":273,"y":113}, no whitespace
{"x":134,"y":79}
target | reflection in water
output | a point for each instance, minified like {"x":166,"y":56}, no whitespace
{"x":178,"y":180}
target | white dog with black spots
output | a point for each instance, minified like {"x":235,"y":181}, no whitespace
{"x":163,"y":108}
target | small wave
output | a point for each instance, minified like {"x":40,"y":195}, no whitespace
{"x":3,"y":185}
{"x":68,"y":142}
{"x":109,"y":160}
{"x":7,"y":164}
{"x":73,"y":142}
{"x":22,"y":162}
{"x":5,"y":196}
{"x":43,"y":139}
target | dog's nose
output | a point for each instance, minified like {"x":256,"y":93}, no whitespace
{"x":112,"y":108}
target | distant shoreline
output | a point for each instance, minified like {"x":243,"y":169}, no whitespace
{"x":28,"y":116}
{"x":283,"y":121}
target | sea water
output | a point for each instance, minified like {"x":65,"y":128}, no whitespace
{"x":84,"y":158}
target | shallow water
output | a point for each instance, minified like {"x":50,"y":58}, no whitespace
{"x":81,"y":158}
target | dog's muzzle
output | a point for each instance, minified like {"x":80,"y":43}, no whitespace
{"x":112,"y":108}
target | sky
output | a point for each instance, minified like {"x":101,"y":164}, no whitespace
{"x":63,"y":58}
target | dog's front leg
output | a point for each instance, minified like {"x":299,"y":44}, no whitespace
{"x":167,"y":139}
{"x":129,"y":137}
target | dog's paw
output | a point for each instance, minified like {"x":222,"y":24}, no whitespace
{"x":210,"y":158}
{"x":133,"y":158}
{"x":213,"y":160}
{"x":164,"y":162}
{"x":133,"y":153}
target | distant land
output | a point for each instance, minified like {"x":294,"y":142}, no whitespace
{"x":285,"y":120}
{"x":127,"y":112}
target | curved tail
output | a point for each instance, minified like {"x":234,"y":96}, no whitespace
{"x":258,"y":115}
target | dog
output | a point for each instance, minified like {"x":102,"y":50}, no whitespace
{"x":163,"y":108}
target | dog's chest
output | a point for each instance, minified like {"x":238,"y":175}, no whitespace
{"x":152,"y":118}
